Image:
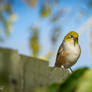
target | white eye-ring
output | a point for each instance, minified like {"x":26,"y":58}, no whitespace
{"x":70,"y":36}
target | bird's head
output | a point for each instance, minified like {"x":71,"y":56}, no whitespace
{"x":72,"y":37}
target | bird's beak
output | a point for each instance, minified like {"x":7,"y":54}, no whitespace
{"x":75,"y":40}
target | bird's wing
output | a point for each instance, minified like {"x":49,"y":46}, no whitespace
{"x":60,"y":58}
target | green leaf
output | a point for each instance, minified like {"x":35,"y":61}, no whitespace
{"x":71,"y":83}
{"x":85,"y":84}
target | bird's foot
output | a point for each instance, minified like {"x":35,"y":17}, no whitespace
{"x":71,"y":70}
{"x":62,"y":67}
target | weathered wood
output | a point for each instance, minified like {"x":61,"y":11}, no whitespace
{"x":20,"y":73}
{"x":10,"y":70}
{"x":38,"y":73}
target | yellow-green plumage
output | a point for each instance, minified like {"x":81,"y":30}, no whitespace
{"x":73,"y":34}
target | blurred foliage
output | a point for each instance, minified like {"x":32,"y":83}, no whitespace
{"x":71,"y":83}
{"x":34,"y":41}
{"x":48,"y":10}
{"x":51,"y":9}
{"x":7,"y":17}
{"x":31,"y":2}
{"x":45,"y":10}
{"x":85,"y":84}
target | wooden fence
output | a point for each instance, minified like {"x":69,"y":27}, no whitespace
{"x":19,"y":73}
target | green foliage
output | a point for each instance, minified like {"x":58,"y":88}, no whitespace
{"x":46,"y":10}
{"x":34,"y":41}
{"x":5,"y":21}
{"x":85,"y":84}
{"x":70,"y":84}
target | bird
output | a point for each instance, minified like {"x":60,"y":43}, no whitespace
{"x":69,"y":51}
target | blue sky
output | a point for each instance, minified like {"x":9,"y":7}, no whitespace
{"x":27,"y":16}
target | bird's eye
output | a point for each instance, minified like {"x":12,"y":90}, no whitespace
{"x":71,"y":36}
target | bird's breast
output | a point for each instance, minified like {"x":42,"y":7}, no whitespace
{"x":73,"y":52}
